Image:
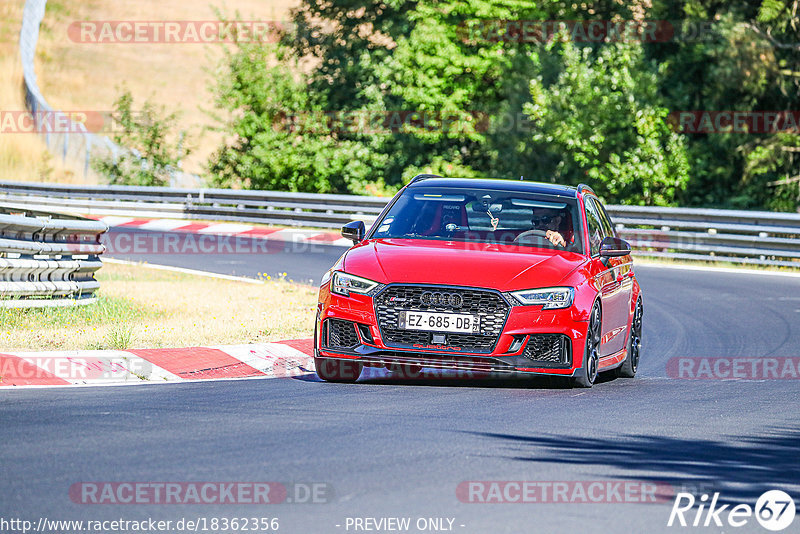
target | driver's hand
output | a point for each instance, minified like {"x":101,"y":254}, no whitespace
{"x":556,"y":238}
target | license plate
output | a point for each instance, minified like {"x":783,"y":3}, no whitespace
{"x":440,"y":322}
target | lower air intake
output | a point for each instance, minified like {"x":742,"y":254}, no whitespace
{"x":339,"y":334}
{"x":549,"y":348}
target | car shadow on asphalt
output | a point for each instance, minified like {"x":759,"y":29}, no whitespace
{"x":740,"y":468}
{"x":451,"y":378}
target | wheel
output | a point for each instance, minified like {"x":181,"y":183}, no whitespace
{"x":337,"y":370}
{"x":591,"y":356}
{"x":631,"y":363}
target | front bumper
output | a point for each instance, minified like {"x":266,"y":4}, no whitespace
{"x":524,"y":328}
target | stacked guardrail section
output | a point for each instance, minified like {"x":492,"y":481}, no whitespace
{"x":747,"y":237}
{"x":47,"y":260}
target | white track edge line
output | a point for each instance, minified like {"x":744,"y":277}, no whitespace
{"x":709,"y":268}
{"x":147,"y":382}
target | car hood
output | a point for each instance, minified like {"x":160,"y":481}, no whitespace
{"x":501,"y":267}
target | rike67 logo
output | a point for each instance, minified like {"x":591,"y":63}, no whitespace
{"x":774,"y":510}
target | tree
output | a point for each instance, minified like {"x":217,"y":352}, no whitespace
{"x":149,"y":154}
{"x":456,"y":92}
{"x":603,"y":121}
{"x":745,"y":58}
{"x":281,"y":134}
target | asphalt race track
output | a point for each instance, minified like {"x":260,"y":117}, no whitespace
{"x":388,"y":447}
{"x":240,"y":256}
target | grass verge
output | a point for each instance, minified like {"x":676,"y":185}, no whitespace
{"x":140,"y":307}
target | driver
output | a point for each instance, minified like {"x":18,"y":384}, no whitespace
{"x":549,"y":221}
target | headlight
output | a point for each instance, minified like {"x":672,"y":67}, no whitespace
{"x":343,"y":284}
{"x":550,"y":298}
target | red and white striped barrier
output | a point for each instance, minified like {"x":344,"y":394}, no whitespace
{"x":230,"y":229}
{"x":141,"y":366}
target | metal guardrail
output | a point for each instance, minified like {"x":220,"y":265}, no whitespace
{"x":747,"y":237}
{"x":47,"y":260}
{"x":270,"y":207}
{"x":736,"y":236}
{"x":689,"y":234}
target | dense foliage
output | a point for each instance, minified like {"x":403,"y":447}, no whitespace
{"x":361,"y":95}
{"x":151,"y":152}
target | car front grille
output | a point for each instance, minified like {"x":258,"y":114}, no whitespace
{"x":488,"y":305}
{"x":549,"y":348}
{"x":339,"y":334}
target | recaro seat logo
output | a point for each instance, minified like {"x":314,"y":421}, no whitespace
{"x":774,"y":510}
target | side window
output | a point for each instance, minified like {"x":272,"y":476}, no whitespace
{"x":608,"y":228}
{"x":595,"y":226}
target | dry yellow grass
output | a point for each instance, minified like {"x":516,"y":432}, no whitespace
{"x":79,"y":76}
{"x":91,"y":76}
{"x":23,"y":157}
{"x":147,"y":308}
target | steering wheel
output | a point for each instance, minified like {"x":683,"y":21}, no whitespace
{"x":526,"y":233}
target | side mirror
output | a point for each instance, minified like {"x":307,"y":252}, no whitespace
{"x":614,"y":247}
{"x":354,"y":231}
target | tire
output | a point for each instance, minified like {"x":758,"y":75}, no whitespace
{"x":631,"y":363}
{"x":591,"y":355}
{"x":342,"y":371}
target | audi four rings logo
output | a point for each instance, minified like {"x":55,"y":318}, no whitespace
{"x":435,"y":298}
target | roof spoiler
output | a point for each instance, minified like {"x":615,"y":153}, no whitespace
{"x":420,"y":177}
{"x":584,"y":187}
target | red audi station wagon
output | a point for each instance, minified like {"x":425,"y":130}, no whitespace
{"x":494,"y":276}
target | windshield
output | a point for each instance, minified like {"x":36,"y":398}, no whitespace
{"x":484,"y":216}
